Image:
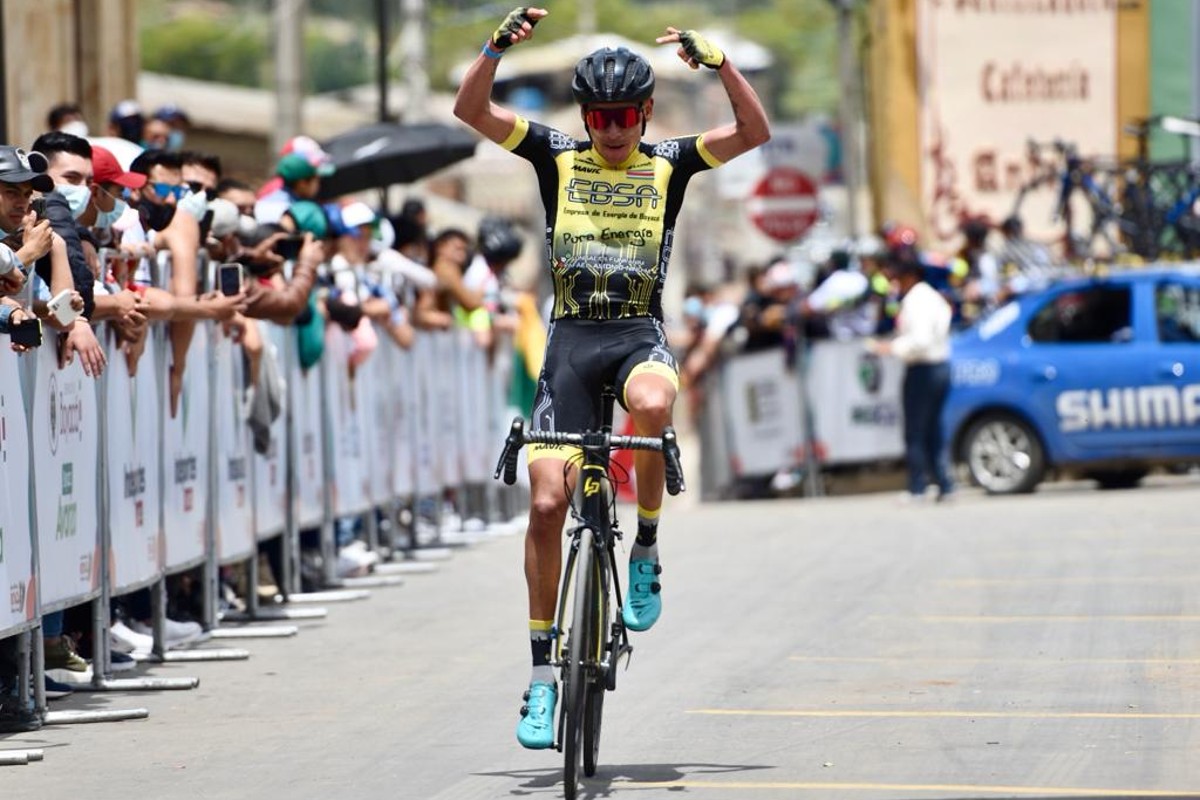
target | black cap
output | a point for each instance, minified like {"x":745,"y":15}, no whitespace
{"x":17,"y":166}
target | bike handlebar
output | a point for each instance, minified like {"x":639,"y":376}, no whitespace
{"x":518,"y":437}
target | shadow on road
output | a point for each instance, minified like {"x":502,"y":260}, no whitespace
{"x":610,"y":777}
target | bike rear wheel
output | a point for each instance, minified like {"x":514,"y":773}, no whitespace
{"x":579,"y":650}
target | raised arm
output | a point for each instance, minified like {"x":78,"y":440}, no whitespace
{"x":750,"y":126}
{"x":473,"y":104}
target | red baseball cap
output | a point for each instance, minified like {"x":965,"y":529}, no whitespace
{"x":105,"y":169}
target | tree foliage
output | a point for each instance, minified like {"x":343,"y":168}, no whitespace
{"x":234,"y":45}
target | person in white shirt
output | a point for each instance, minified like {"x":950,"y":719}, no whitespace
{"x":922,"y":342}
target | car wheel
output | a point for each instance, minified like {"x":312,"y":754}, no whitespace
{"x":1003,"y":454}
{"x":1118,"y":478}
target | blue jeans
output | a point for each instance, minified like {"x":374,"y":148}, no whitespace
{"x":925,"y":390}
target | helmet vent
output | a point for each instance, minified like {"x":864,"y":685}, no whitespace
{"x":610,"y":68}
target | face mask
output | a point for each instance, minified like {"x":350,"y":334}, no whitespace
{"x":155,"y":217}
{"x":247,"y":225}
{"x":175,"y":140}
{"x":77,"y":197}
{"x":75,"y":127}
{"x":194,"y":203}
{"x":105,"y":219}
{"x":3,"y":235}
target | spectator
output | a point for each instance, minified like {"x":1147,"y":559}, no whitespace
{"x":299,"y":178}
{"x":155,"y":134}
{"x":68,"y":118}
{"x":1026,"y":264}
{"x":766,"y":308}
{"x":922,"y":342}
{"x":178,"y":124}
{"x":126,"y":121}
{"x":977,"y":268}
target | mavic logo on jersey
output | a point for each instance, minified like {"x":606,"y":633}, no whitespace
{"x":591,"y":486}
{"x":618,"y":195}
{"x":1159,"y":406}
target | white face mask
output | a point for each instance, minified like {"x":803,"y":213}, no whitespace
{"x":247,"y":225}
{"x":105,"y":219}
{"x":77,"y":197}
{"x":194,"y":203}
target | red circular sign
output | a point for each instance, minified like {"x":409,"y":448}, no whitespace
{"x":783,"y":204}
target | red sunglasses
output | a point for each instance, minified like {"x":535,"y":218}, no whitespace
{"x":622,"y":116}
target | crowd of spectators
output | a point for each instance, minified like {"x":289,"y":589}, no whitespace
{"x":79,"y":226}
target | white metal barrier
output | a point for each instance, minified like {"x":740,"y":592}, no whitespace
{"x":92,"y":510}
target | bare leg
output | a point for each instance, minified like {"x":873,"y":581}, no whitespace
{"x":543,"y":540}
{"x":649,"y":398}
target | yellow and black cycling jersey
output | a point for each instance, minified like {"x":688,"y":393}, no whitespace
{"x":608,"y":229}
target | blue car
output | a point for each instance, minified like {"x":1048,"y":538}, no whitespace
{"x":1096,"y":376}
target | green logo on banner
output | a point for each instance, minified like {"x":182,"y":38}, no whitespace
{"x":68,"y":478}
{"x":1,"y":545}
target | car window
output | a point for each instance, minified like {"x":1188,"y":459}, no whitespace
{"x":1177,"y":312}
{"x":1090,"y":314}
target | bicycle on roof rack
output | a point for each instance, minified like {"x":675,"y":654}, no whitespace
{"x":589,"y":640}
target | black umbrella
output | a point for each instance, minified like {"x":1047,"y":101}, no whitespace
{"x":385,"y":153}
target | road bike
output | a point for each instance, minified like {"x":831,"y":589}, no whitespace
{"x":589,"y":640}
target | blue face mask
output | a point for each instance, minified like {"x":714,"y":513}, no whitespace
{"x":175,"y":140}
{"x":77,"y":197}
{"x":105,"y":219}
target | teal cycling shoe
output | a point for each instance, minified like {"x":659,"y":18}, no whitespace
{"x":643,"y":603}
{"x":536,"y":728}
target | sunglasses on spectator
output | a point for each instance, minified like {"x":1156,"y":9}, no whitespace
{"x":622,"y":116}
{"x":197,"y":187}
{"x":165,"y":190}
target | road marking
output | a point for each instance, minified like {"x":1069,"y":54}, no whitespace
{"x":910,"y":787}
{"x":885,"y":713}
{"x":993,"y":619}
{"x":1041,"y":662}
{"x":1072,"y":579}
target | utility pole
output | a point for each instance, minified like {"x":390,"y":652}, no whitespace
{"x":587,"y":16}
{"x":383,"y":29}
{"x":848,"y":75}
{"x":289,"y":70}
{"x":414,"y":54}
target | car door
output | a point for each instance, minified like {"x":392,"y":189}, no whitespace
{"x":1084,"y":360}
{"x":1176,"y":362}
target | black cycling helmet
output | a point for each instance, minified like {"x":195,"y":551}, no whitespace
{"x":498,"y":241}
{"x":612,"y":75}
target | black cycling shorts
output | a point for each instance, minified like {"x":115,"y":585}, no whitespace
{"x":582,"y":357}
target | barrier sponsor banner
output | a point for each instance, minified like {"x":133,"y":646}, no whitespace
{"x":65,"y":436}
{"x":448,"y":407}
{"x":856,"y":405}
{"x":404,"y":411}
{"x":304,"y":397}
{"x":344,"y":426}
{"x":16,"y":539}
{"x":234,"y":506}
{"x":186,"y":450}
{"x":428,"y":456}
{"x":764,"y":409}
{"x":132,"y":408}
{"x":270,"y":470}
{"x":475,"y":408}
{"x":375,"y":386}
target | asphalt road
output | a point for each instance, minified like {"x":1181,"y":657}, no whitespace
{"x":1041,"y":646}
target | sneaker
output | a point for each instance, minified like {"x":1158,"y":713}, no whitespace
{"x":122,"y":662}
{"x":643,"y":603}
{"x":176,"y":634}
{"x":60,"y":654}
{"x":17,"y":717}
{"x":535,"y":731}
{"x":123,"y":639}
{"x":56,"y":690}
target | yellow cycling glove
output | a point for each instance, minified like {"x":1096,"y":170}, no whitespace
{"x":701,"y":50}
{"x":502,"y":37}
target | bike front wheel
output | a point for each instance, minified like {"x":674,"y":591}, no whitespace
{"x":579,"y":650}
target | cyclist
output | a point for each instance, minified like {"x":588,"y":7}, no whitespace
{"x":611,"y":201}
